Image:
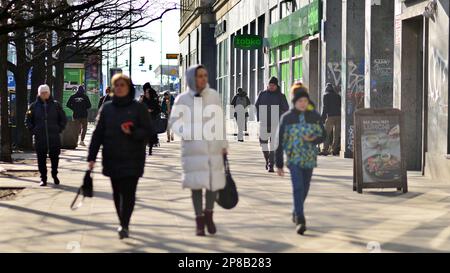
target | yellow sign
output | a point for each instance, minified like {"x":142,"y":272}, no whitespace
{"x":173,"y":72}
{"x":172,"y":56}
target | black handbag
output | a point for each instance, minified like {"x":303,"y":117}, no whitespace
{"x":228,"y":198}
{"x":160,"y":124}
{"x":87,"y":190}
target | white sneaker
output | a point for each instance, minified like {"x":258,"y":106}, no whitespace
{"x":82,"y":143}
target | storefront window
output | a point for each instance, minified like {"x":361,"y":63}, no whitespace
{"x":285,"y":78}
{"x":222,"y":71}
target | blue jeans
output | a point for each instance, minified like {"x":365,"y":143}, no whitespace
{"x":301,"y":180}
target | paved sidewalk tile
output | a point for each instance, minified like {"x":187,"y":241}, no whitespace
{"x":339,"y":220}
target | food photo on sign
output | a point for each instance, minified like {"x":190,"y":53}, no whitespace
{"x":381,"y":150}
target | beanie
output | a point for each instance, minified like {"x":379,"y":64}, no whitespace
{"x":273,"y":80}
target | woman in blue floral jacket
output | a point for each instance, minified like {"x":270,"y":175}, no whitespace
{"x":299,"y":133}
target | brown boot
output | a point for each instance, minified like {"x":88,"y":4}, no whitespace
{"x":210,"y":226}
{"x":200,"y":220}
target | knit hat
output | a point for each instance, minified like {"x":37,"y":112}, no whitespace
{"x":43,"y":89}
{"x":299,"y":91}
{"x":273,"y":80}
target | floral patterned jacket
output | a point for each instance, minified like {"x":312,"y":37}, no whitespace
{"x":294,"y":125}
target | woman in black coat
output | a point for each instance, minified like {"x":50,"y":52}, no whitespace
{"x":46,"y":120}
{"x":151,"y":100}
{"x":122,"y":129}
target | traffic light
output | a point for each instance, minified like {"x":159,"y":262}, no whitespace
{"x":142,"y":61}
{"x":126,"y":62}
{"x":150,"y":67}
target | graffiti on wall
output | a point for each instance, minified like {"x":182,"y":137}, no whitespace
{"x":382,"y":67}
{"x":334,"y":74}
{"x":355,"y":96}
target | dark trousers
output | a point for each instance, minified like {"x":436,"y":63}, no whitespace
{"x":268,"y":145}
{"x":197,"y":200}
{"x":53,"y":153}
{"x":124,"y":193}
{"x":301,"y":181}
{"x":83,"y":124}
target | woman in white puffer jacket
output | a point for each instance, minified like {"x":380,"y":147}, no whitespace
{"x":197,"y":117}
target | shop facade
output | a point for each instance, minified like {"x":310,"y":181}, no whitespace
{"x":421,"y":85}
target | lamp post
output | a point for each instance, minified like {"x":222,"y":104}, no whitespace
{"x":131,"y":50}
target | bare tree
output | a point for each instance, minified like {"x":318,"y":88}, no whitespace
{"x":41,"y":30}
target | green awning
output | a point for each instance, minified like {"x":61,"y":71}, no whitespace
{"x":302,"y":23}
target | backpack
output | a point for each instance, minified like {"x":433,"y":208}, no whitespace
{"x":241,"y":100}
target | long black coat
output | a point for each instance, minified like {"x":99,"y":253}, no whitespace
{"x":36,"y":116}
{"x":123,"y":155}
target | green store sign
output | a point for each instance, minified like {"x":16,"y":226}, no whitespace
{"x":248,"y":42}
{"x":302,"y":23}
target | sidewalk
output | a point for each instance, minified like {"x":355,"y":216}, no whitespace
{"x":40,"y":219}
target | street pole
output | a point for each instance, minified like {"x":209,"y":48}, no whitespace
{"x":161,"y":81}
{"x":131,"y":55}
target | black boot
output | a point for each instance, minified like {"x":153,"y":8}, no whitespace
{"x":123,"y":232}
{"x":266,"y":157}
{"x":56,"y":179}
{"x":210,"y":226}
{"x":150,"y":150}
{"x":271,"y":159}
{"x":301,"y":225}
{"x":200,"y":221}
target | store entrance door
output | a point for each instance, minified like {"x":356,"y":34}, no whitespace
{"x":413,"y":94}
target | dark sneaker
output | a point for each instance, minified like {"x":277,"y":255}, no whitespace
{"x":43,"y":183}
{"x":271,"y":170}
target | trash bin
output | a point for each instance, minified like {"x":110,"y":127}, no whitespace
{"x":69,"y":137}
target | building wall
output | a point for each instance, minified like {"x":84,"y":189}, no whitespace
{"x":423,"y":92}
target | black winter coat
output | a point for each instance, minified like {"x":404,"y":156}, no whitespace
{"x":271,"y":99}
{"x":79,"y":103}
{"x":331,"y":105}
{"x":46,"y":132}
{"x":123,"y":155}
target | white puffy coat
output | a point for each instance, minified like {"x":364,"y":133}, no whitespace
{"x":202,"y":160}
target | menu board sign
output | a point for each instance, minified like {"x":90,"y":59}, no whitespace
{"x":379,"y":158}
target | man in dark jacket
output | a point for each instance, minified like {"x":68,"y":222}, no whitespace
{"x":270,"y":106}
{"x":46,"y":120}
{"x":240,"y":102}
{"x":79,"y":103}
{"x":332,"y":116}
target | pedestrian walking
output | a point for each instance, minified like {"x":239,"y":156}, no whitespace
{"x":331,"y":114}
{"x":105,"y":98}
{"x":151,"y":100}
{"x":241,"y":102}
{"x":79,"y":103}
{"x":46,"y":120}
{"x":122,"y":129}
{"x":299,"y":133}
{"x":270,"y":106}
{"x":166,"y":107}
{"x":202,"y":157}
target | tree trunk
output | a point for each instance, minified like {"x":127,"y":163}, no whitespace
{"x":21,"y":77}
{"x":5,"y":135}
